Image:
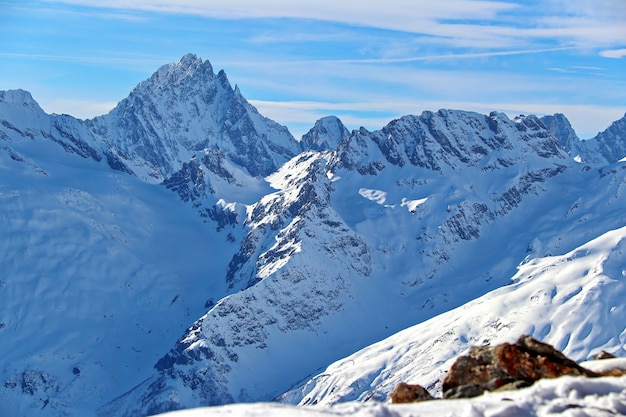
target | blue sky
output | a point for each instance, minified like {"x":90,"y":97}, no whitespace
{"x":366,"y":62}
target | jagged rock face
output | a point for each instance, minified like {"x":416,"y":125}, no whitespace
{"x":451,"y":161}
{"x":298,"y":241}
{"x":286,"y":296}
{"x":448,"y":140}
{"x":605,"y":148}
{"x":610,"y":144}
{"x":325,"y":134}
{"x":561,"y":128}
{"x":185,"y":108}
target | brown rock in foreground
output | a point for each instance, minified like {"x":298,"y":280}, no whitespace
{"x":507,"y":366}
{"x":405,"y":393}
{"x":504,"y":367}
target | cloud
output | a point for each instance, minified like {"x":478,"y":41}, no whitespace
{"x":471,"y":55}
{"x":87,"y":59}
{"x":393,"y":14}
{"x":615,"y":53}
{"x":81,"y":109}
{"x":461,"y":23}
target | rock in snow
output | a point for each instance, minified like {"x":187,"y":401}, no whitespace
{"x":184,"y":250}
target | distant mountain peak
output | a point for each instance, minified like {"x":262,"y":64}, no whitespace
{"x":561,"y":128}
{"x":184,"y":108}
{"x":325,"y":134}
{"x":190,"y":67}
{"x":19,"y":97}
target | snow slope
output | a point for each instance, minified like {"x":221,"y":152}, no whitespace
{"x":97,"y":270}
{"x":573,"y":301}
{"x":567,"y":396}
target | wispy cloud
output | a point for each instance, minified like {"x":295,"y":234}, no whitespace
{"x":465,"y":23}
{"x":614,"y":53}
{"x":394,"y":14}
{"x":103,"y":13}
{"x":82,"y":109}
{"x":85,"y":59}
{"x":452,"y":56}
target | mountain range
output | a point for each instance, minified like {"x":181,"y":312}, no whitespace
{"x":185,"y":251}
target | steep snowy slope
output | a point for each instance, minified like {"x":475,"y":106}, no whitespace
{"x":573,"y":301}
{"x":98,"y":272}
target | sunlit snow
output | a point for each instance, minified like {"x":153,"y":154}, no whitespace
{"x":376,"y":196}
{"x":411,"y":205}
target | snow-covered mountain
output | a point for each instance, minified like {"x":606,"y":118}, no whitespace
{"x":606,"y":147}
{"x":185,"y":212}
{"x":572,"y":301}
{"x":325,"y":134}
{"x":185,"y":109}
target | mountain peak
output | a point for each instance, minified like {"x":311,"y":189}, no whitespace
{"x":184,"y":108}
{"x":561,"y":128}
{"x":325,"y":134}
{"x":611,"y":143}
{"x":190,"y":59}
{"x":19,"y":97}
{"x":190,"y":67}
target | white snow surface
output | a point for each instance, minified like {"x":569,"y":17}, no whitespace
{"x":566,"y":396}
{"x":573,"y":301}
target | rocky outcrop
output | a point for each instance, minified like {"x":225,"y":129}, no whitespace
{"x":407,"y":393}
{"x":521,"y":363}
{"x":506,"y":366}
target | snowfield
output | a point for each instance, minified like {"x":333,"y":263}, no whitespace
{"x":566,"y":396}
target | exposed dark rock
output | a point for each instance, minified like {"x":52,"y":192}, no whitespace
{"x":500,"y":368}
{"x":406,"y":393}
{"x":604,"y":355}
{"x":492,"y":367}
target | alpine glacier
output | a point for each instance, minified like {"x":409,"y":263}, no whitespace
{"x":185,"y":251}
